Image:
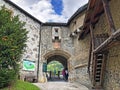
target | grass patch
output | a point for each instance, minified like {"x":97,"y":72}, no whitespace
{"x":21,"y":85}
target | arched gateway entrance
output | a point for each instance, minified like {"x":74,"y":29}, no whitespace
{"x":60,"y":56}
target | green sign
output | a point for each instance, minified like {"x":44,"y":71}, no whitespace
{"x":28,"y":65}
{"x":44,"y":67}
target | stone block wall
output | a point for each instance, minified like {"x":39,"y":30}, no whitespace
{"x":66,"y":41}
{"x":81,"y":53}
{"x":47,"y":44}
{"x":46,"y":40}
{"x":115,"y":11}
{"x":102,"y":26}
{"x":82,"y":50}
{"x":81,"y":60}
{"x":112,"y":70}
{"x":82,"y":76}
{"x":33,"y":28}
{"x":77,"y":22}
{"x":78,"y":49}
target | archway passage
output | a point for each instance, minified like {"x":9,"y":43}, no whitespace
{"x":58,"y":58}
{"x":58,"y":55}
{"x":54,"y":74}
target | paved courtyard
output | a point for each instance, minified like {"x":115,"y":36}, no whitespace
{"x":60,"y":86}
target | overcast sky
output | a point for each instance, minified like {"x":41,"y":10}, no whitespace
{"x":51,"y":10}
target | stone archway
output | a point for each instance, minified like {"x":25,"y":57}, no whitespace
{"x":58,"y":55}
{"x":57,"y":52}
{"x":58,"y":58}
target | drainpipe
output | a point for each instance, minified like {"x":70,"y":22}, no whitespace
{"x":39,"y":52}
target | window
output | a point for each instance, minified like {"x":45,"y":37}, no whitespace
{"x":56,"y":38}
{"x":56,"y":34}
{"x":56,"y":30}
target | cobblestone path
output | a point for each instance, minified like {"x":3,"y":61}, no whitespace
{"x":60,"y":86}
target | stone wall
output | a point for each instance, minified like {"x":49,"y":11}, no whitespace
{"x":82,"y":50}
{"x":33,"y":27}
{"x":102,"y":26}
{"x":78,"y":49}
{"x":77,"y":22}
{"x":46,"y":40}
{"x":81,"y":53}
{"x":47,"y":44}
{"x":115,"y":11}
{"x":112,"y":70}
{"x":82,"y":76}
{"x":81,"y":58}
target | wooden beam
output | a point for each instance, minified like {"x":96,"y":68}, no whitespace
{"x":89,"y":61}
{"x":87,"y":18}
{"x":114,"y":36}
{"x":92,"y":47}
{"x":92,"y":37}
{"x":90,"y":25}
{"x":92,"y":13}
{"x":108,"y":15}
{"x":92,"y":3}
{"x":92,"y":54}
{"x":94,"y":68}
{"x":96,"y":8}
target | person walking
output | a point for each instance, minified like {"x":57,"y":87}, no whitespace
{"x":66,"y":74}
{"x":63,"y":73}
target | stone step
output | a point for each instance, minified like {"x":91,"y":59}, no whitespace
{"x":99,"y":54}
{"x":97,"y":75}
{"x":99,"y":64}
{"x":98,"y":71}
{"x":97,"y":78}
{"x":97,"y":83}
{"x":98,"y":59}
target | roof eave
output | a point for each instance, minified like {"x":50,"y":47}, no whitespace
{"x":21,"y":10}
{"x":78,"y":12}
{"x":54,"y":24}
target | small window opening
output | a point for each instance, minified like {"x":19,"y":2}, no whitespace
{"x":56,"y":30}
{"x":56,"y":38}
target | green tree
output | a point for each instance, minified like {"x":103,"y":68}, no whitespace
{"x":55,"y":65}
{"x":13,"y":36}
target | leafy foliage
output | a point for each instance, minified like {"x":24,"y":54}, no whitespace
{"x":6,"y":77}
{"x":12,"y":42}
{"x":55,"y":66}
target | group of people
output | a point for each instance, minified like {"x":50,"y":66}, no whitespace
{"x":65,"y":74}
